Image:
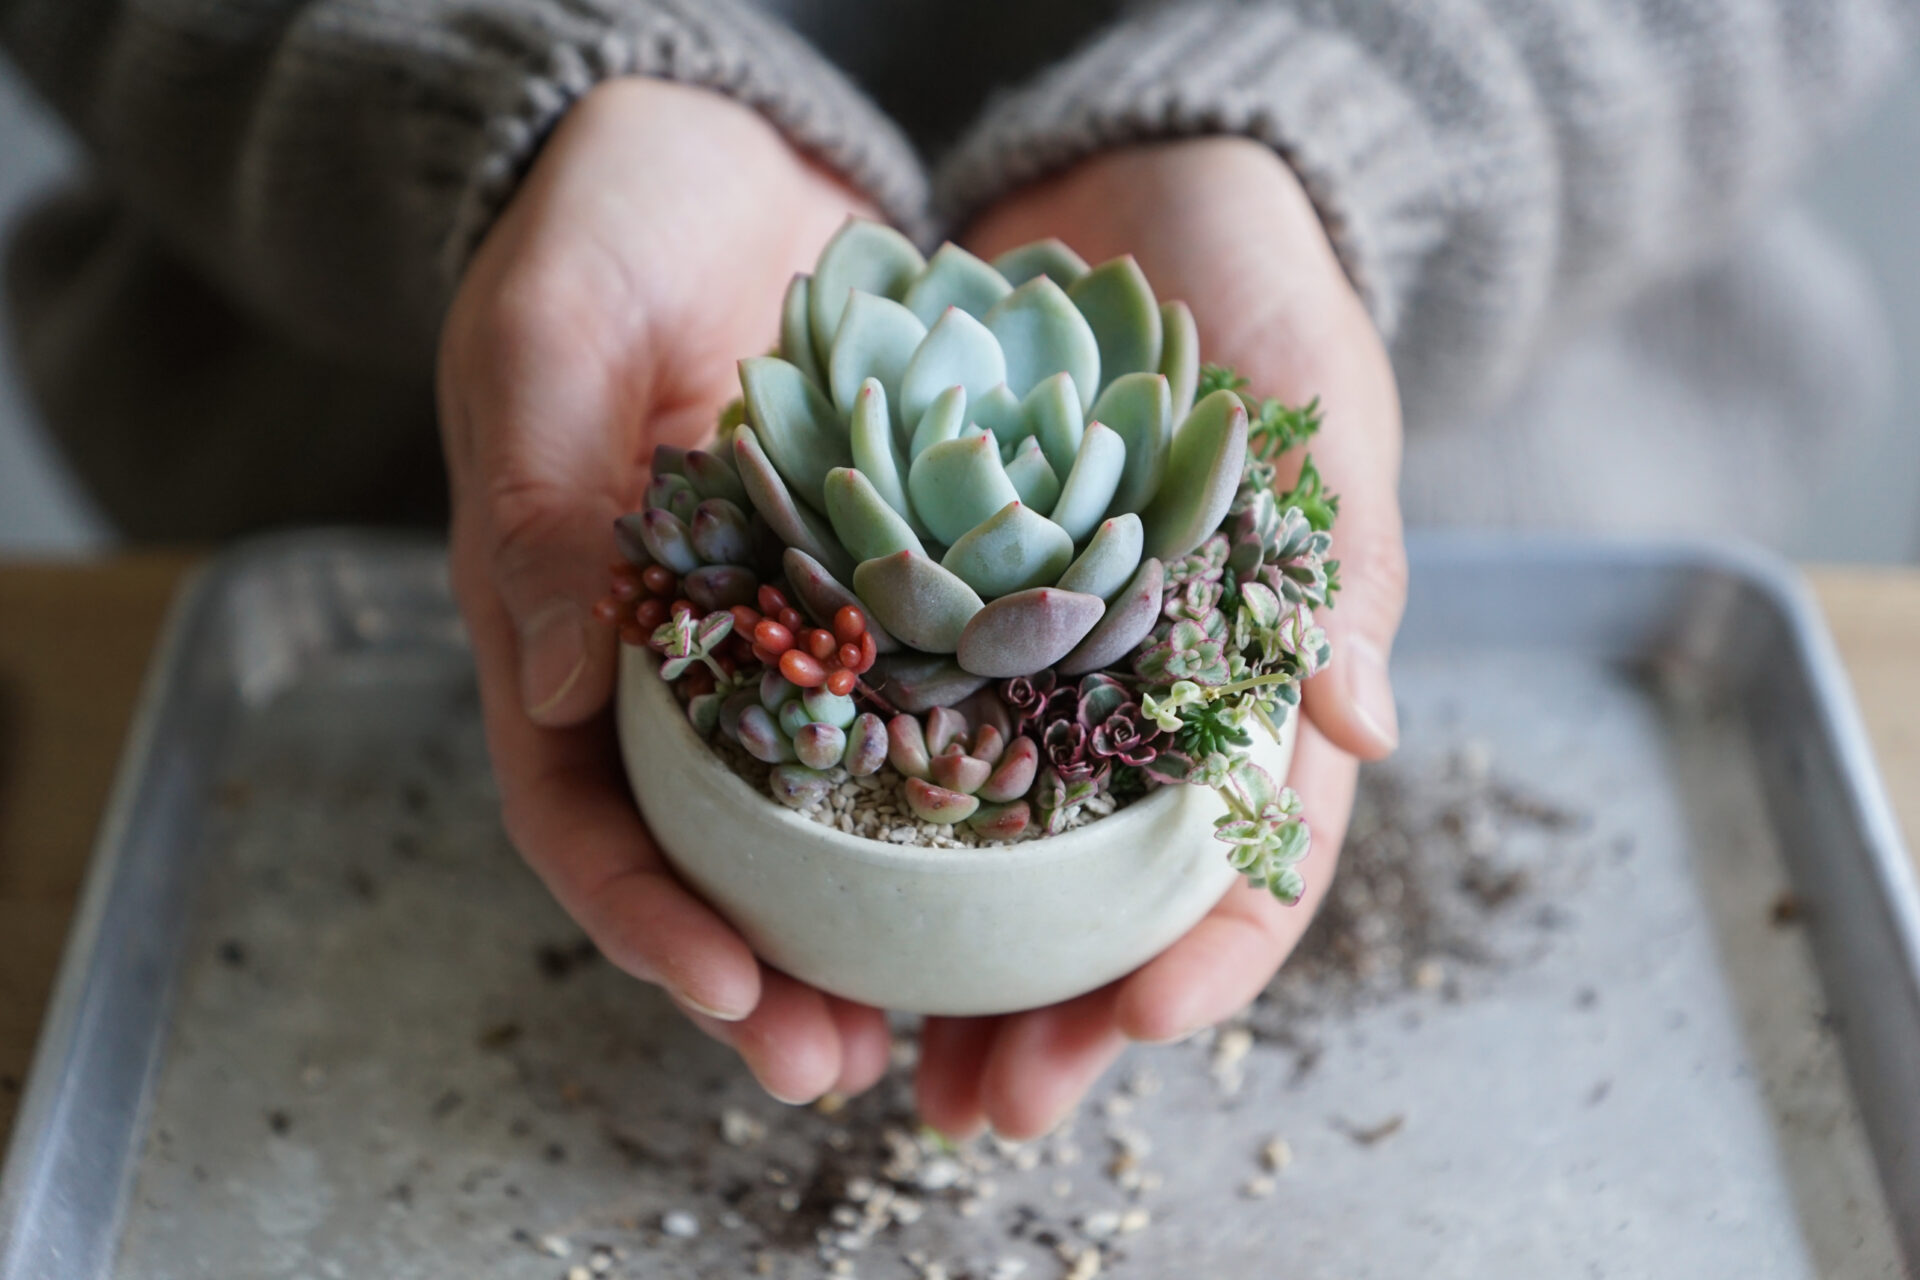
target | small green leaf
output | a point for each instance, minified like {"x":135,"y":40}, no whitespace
{"x":1041,"y":333}
{"x":867,"y":527}
{"x":1054,"y":417}
{"x":1139,"y":408}
{"x":944,"y":419}
{"x":1125,"y":317}
{"x":876,"y":450}
{"x":876,"y":339}
{"x":1033,"y":479}
{"x":1049,"y":258}
{"x":1012,"y":550}
{"x":959,"y":351}
{"x":1180,"y":355}
{"x":956,"y":484}
{"x":1109,"y":560}
{"x":999,"y":411}
{"x":797,"y":427}
{"x":796,"y":331}
{"x":1091,"y":482}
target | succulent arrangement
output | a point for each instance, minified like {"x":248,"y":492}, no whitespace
{"x":994,"y":530}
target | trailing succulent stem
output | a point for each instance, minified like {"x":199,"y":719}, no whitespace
{"x":992,"y":528}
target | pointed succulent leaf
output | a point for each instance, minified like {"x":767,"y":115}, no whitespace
{"x":1180,"y":355}
{"x":796,"y":426}
{"x":1203,"y":471}
{"x":876,"y":339}
{"x":1002,"y":821}
{"x":671,"y":491}
{"x":956,"y":484}
{"x":1019,"y":634}
{"x":1011,"y":550}
{"x":946,"y":726}
{"x":720,"y":586}
{"x":1129,"y":619}
{"x":820,"y":746}
{"x":1125,"y":317}
{"x":866,"y":745}
{"x":1013,"y":776}
{"x":762,"y":736}
{"x":862,"y":255}
{"x":945,"y":419}
{"x":866,"y":526}
{"x":922,"y":604}
{"x":797,"y":786}
{"x":720,"y":532}
{"x":1033,"y":479}
{"x":712,"y":476}
{"x":668,"y":540}
{"x":999,"y":411}
{"x":989,"y":744}
{"x":1091,"y":482}
{"x":1049,"y":258}
{"x":907,"y":746}
{"x":916,"y":682}
{"x":936,"y":804}
{"x":876,"y":451}
{"x":626,"y":536}
{"x":793,"y":523}
{"x":823,"y":596}
{"x":826,"y":707}
{"x":1109,"y":560}
{"x":1054,"y":416}
{"x":1139,"y":408}
{"x":986,"y":711}
{"x":958,"y":351}
{"x":796,"y":330}
{"x":1042,"y":333}
{"x":955,"y":278}
{"x":955,"y":770}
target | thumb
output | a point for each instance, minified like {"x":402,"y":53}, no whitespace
{"x":1351,"y":700}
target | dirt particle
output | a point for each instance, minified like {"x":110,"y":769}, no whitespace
{"x":501,"y":1035}
{"x":1787,"y":909}
{"x":233,"y":954}
{"x":279,"y":1122}
{"x":558,"y":961}
{"x":1372,"y":1135}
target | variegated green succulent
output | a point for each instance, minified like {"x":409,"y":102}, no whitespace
{"x":994,"y":459}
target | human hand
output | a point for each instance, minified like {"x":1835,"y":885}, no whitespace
{"x":1224,"y":225}
{"x":603,"y":315}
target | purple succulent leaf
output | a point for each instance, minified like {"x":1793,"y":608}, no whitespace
{"x":762,"y":737}
{"x":1128,"y":621}
{"x":919,"y":681}
{"x":820,"y":746}
{"x":732,"y":709}
{"x":1026,"y":697}
{"x":797,"y":786}
{"x":721,"y":586}
{"x":1100,"y":696}
{"x":1027,"y":630}
{"x":866,"y":745}
{"x":626,"y":536}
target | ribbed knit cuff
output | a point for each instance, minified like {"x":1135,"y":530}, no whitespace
{"x":723,"y":45}
{"x":1350,"y":131}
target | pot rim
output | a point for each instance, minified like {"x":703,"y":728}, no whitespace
{"x":1080,"y":842}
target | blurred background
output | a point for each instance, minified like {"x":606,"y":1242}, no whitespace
{"x":1866,"y":191}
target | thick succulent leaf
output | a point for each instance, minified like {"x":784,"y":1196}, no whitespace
{"x":944,"y":419}
{"x":1119,"y":305}
{"x":1091,"y":482}
{"x":1139,"y":407}
{"x":799,"y":787}
{"x":1042,"y":333}
{"x":1049,"y":258}
{"x":1054,"y":417}
{"x":820,"y":746}
{"x":1002,"y":821}
{"x":793,"y":523}
{"x":823,"y":596}
{"x":935,"y":804}
{"x":720,"y":586}
{"x":999,"y":412}
{"x":866,"y":526}
{"x":956,"y":484}
{"x":958,"y":352}
{"x":721,"y":533}
{"x":925,"y":606}
{"x":669,"y":540}
{"x":1026,"y":632}
{"x":957,"y":771}
{"x":876,"y":339}
{"x":671,"y":492}
{"x":1109,"y":560}
{"x":1033,"y":477}
{"x":712,"y":476}
{"x":626,"y":536}
{"x":876,"y":450}
{"x":1129,"y":619}
{"x":1180,"y":355}
{"x":862,"y":255}
{"x":945,"y":727}
{"x":917,"y":682}
{"x":955,"y":278}
{"x":1012,"y":550}
{"x":797,"y":427}
{"x":866,"y":745}
{"x":1015,"y":772}
{"x":796,"y":331}
{"x":1203,"y":471}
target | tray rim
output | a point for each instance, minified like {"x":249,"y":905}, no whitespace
{"x":36,"y":1134}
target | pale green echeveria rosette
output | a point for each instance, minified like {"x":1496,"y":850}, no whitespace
{"x":995,"y":460}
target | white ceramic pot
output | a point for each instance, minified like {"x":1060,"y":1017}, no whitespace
{"x":946,"y":931}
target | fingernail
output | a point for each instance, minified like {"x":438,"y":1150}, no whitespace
{"x":553,"y":654}
{"x":719,"y":1015}
{"x":1371,"y":692}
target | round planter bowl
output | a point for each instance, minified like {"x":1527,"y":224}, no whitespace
{"x":923,"y":930}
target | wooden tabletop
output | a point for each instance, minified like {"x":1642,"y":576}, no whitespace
{"x":74,"y":641}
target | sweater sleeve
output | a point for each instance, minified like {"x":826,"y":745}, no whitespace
{"x":332,"y":163}
{"x":1491,"y":172}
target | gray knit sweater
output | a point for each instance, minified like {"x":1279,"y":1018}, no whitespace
{"x":236,"y":325}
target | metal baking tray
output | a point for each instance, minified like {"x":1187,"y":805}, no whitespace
{"x":315,"y":1020}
